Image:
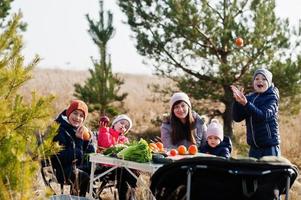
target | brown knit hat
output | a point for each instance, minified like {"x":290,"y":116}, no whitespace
{"x":77,"y":105}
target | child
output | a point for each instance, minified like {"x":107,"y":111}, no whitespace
{"x":260,"y":111}
{"x":216,"y":143}
{"x":108,"y":137}
{"x":70,"y":159}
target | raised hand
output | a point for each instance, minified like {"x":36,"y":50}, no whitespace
{"x":104,"y":121}
{"x":239,"y":95}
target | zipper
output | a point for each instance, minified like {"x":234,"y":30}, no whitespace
{"x":251,"y":124}
{"x":268,"y":130}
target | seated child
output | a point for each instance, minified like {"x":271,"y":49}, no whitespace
{"x":70,"y":164}
{"x":216,"y":143}
{"x":110,"y":136}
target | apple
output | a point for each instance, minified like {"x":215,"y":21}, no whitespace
{"x":105,"y":120}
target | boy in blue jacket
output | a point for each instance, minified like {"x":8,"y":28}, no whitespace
{"x":260,"y":111}
{"x":70,"y":164}
{"x":216,"y":143}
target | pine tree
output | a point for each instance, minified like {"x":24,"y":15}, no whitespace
{"x":102,"y":88}
{"x":192,"y":42}
{"x":20,"y":120}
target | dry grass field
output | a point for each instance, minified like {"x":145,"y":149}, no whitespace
{"x":139,"y":102}
{"x":143,"y":107}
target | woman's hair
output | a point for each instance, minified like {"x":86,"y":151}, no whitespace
{"x":182,"y":131}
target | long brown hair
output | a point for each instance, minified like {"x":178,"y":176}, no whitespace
{"x":182,"y":131}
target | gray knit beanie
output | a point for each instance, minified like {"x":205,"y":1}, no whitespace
{"x":123,"y":117}
{"x":179,"y":96}
{"x":266,"y":73}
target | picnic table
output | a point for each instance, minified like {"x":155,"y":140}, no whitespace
{"x":98,"y":158}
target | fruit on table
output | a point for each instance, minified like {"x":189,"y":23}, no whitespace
{"x":160,"y":146}
{"x":153,"y":147}
{"x":86,"y":134}
{"x":239,"y":42}
{"x":173,"y":152}
{"x":192,"y":149}
{"x":182,"y":150}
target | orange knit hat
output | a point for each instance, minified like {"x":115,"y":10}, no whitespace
{"x":77,"y":105}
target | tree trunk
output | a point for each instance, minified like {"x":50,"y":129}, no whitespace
{"x":227,"y":115}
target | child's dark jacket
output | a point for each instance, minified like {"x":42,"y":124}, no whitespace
{"x":223,"y":149}
{"x":261,"y":115}
{"x":73,"y":153}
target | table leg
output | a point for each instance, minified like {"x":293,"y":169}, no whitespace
{"x":134,"y":175}
{"x":91,"y":179}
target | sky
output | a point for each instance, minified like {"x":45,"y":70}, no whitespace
{"x":57,"y":32}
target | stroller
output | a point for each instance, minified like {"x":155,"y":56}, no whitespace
{"x":218,"y":178}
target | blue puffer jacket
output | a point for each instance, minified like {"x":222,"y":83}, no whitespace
{"x":261,"y":115}
{"x":223,"y":149}
{"x":74,"y":150}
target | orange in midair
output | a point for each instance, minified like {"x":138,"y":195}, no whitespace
{"x":182,"y":150}
{"x":192,"y":149}
{"x":239,"y":42}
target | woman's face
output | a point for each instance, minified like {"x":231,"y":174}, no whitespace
{"x":180,"y":110}
{"x":76,"y":118}
{"x":121,"y":126}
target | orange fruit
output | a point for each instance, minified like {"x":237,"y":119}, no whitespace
{"x":173,"y":152}
{"x":182,"y":150}
{"x":192,"y":149}
{"x":239,"y":42}
{"x":86,"y":134}
{"x":160,"y":145}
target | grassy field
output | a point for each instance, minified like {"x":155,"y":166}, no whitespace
{"x":144,"y":106}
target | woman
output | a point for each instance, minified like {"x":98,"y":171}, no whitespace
{"x":183,"y":126}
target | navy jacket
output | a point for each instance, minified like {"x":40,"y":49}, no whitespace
{"x":261,"y":115}
{"x":74,"y":153}
{"x":223,"y":149}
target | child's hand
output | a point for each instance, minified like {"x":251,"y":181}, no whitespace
{"x":83,"y":133}
{"x":103,"y":124}
{"x":104,"y":121}
{"x":122,"y":139}
{"x":100,"y":149}
{"x":79,"y":132}
{"x":239,"y":95}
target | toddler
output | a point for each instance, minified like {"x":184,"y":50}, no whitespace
{"x":110,"y":136}
{"x":216,"y":143}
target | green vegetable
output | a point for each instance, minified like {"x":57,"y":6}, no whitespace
{"x":138,"y":152}
{"x":112,"y":151}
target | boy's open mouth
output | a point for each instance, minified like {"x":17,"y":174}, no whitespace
{"x":260,"y":86}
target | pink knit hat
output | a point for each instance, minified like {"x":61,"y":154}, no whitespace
{"x":216,"y":129}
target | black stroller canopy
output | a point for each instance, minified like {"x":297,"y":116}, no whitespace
{"x":216,"y":178}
